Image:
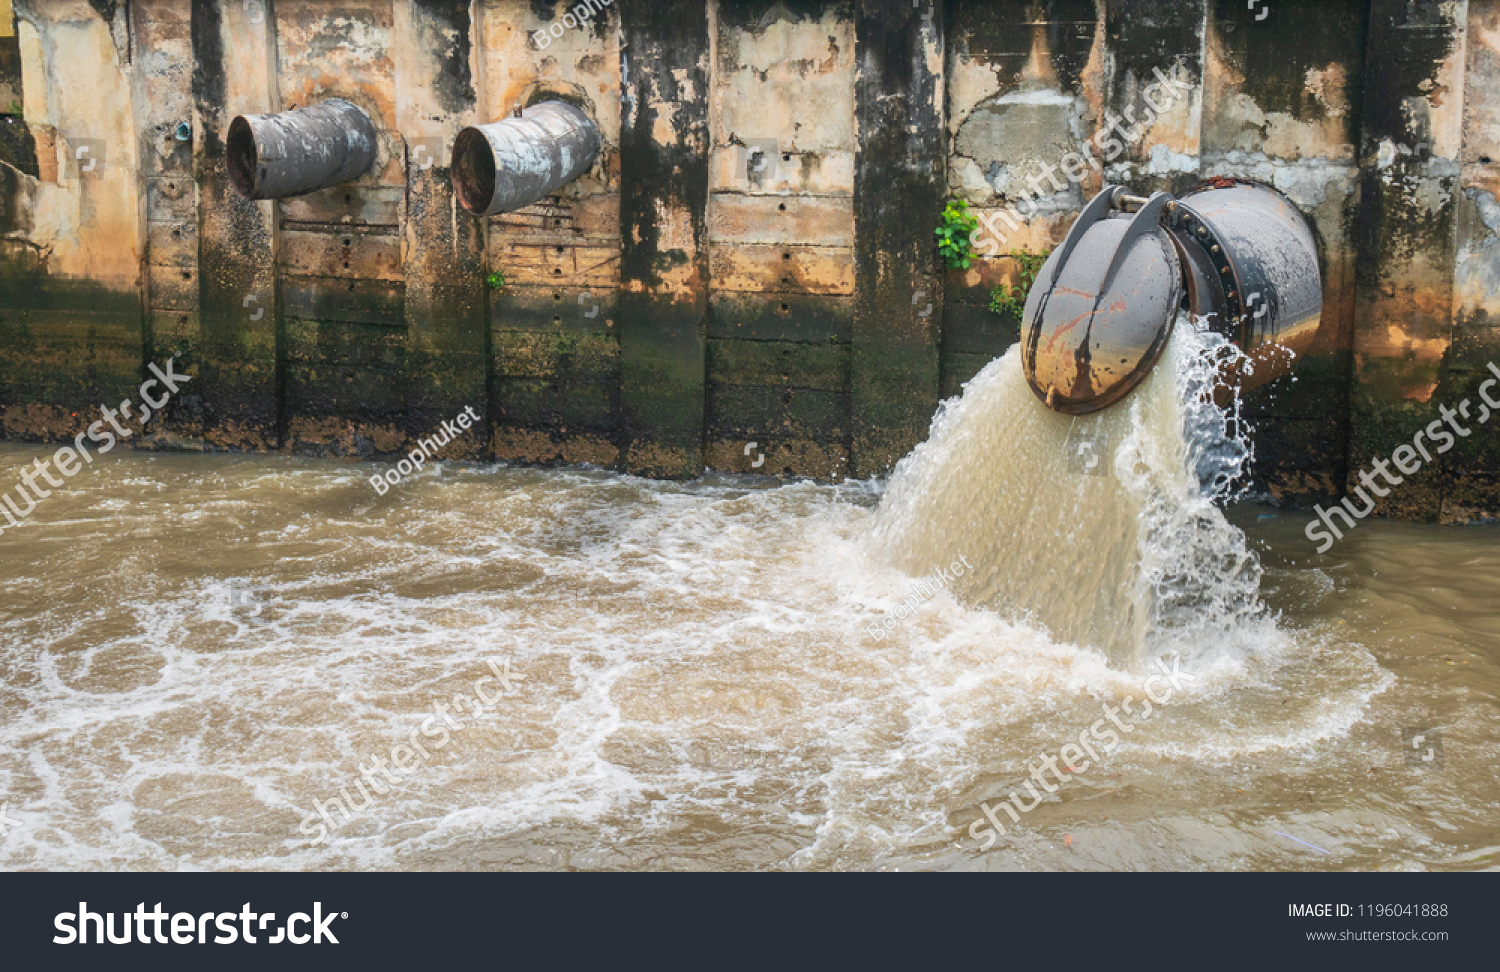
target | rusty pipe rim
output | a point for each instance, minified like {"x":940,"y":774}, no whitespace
{"x":473,"y":170}
{"x":241,"y":157}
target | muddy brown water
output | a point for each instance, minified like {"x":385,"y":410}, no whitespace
{"x":198,"y":650}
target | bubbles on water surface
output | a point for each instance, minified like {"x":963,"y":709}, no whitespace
{"x":703,"y":688}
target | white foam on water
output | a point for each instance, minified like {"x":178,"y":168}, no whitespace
{"x":702,"y":685}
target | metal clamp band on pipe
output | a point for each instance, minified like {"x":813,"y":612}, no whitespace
{"x":296,"y":152}
{"x":510,"y":164}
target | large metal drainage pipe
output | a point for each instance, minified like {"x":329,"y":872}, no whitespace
{"x":1236,"y":254}
{"x":1253,"y":274}
{"x":296,"y":152}
{"x":510,"y":164}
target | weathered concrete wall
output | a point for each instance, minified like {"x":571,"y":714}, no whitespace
{"x":1403,"y":334}
{"x":781,"y":237}
{"x":750,"y":259}
{"x":1289,"y":115}
{"x":72,"y":226}
{"x":1269,"y":100}
{"x":1471,"y":486}
{"x":555,"y":327}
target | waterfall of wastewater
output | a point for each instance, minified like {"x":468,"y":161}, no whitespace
{"x":1104,"y":529}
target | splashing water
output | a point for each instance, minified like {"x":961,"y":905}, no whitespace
{"x":1104,"y":529}
{"x":702,"y":686}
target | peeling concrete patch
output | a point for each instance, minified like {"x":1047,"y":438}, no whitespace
{"x":1309,"y":182}
{"x":1488,"y":208}
{"x":1164,"y":161}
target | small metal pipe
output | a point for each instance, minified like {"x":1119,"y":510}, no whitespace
{"x":512,"y":163}
{"x":292,"y":153}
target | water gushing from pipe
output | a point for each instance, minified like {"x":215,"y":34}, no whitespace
{"x":1102,"y":528}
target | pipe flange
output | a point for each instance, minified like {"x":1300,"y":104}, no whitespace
{"x":1191,"y":229}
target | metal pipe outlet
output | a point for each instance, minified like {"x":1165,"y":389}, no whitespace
{"x":1099,"y":314}
{"x":292,"y":153}
{"x":510,"y":164}
{"x":1256,"y":272}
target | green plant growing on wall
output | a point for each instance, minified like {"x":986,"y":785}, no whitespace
{"x":953,"y":234}
{"x":1007,"y":299}
{"x":496,"y":280}
{"x":14,"y":108}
